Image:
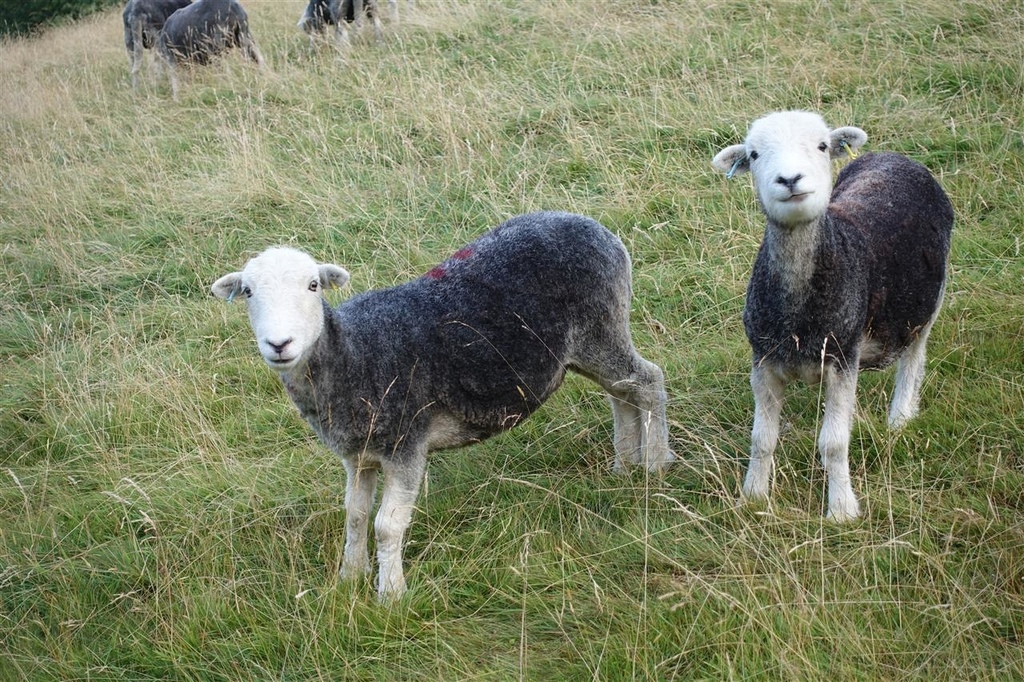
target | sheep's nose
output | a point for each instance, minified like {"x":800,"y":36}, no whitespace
{"x":790,"y":183}
{"x":279,"y":347}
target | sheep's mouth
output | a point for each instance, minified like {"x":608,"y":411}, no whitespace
{"x":796,"y":197}
{"x":281,"y":363}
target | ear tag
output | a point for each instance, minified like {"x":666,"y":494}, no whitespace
{"x":234,"y":290}
{"x":849,"y":150}
{"x":735,"y":167}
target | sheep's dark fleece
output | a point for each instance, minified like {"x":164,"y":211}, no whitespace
{"x":880,"y":267}
{"x":202,"y":30}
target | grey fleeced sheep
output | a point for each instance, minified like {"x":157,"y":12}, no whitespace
{"x":320,"y":14}
{"x":465,"y":351}
{"x":143,"y":20}
{"x":847,"y":278}
{"x":198,"y":32}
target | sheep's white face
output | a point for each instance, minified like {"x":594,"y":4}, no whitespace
{"x":789,"y":154}
{"x":282,"y":288}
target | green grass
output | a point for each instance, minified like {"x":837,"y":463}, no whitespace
{"x":165,"y":513}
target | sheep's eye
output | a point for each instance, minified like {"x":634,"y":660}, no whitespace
{"x":753,"y":156}
{"x":823,"y":147}
{"x":247,"y":291}
{"x":314,"y":285}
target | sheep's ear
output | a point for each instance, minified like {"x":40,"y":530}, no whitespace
{"x":333,"y":276}
{"x":732,"y":160}
{"x":846,"y":139}
{"x":228,"y":286}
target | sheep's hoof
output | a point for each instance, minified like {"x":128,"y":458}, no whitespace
{"x":843,"y":514}
{"x":898,"y":421}
{"x":660,"y":463}
{"x":354,"y":572}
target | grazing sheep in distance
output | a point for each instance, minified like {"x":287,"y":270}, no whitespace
{"x":143,"y":20}
{"x":319,"y":14}
{"x":196,"y":33}
{"x":845,"y":279}
{"x":465,"y":351}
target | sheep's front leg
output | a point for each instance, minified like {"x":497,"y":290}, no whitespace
{"x":360,"y":488}
{"x":378,"y":31}
{"x":402,"y":478}
{"x":834,"y":443}
{"x":768,"y":390}
{"x":135,"y":55}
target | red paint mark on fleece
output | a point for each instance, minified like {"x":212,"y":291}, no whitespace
{"x":439,"y":271}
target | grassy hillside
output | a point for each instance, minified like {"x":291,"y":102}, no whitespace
{"x":165,"y":513}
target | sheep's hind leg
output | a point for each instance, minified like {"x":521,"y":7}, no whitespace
{"x":360,"y":488}
{"x":402,"y":477}
{"x":768,"y":393}
{"x":834,"y":443}
{"x":638,"y":402}
{"x":628,"y":436}
{"x":906,"y":395}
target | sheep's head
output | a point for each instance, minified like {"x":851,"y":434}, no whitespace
{"x":789,"y":155}
{"x":282,"y":288}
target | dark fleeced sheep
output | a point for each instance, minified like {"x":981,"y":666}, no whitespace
{"x":466,"y":351}
{"x":320,"y":14}
{"x":196,"y":33}
{"x":847,"y":278}
{"x":143,"y":20}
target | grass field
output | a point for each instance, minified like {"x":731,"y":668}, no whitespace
{"x":165,"y":513}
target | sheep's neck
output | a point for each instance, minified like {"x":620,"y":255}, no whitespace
{"x":792,"y":253}
{"x":302,"y":382}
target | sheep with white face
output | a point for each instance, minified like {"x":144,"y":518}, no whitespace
{"x":463,"y":352}
{"x":846,"y":279}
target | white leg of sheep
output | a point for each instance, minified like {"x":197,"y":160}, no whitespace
{"x":638,"y":412}
{"x":906,"y":395}
{"x":360,"y":489}
{"x":636,"y":389}
{"x":834,"y":442}
{"x":768,"y":391}
{"x":403,"y":475}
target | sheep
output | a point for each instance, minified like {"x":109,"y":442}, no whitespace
{"x":143,"y":20}
{"x":319,"y":14}
{"x":202,"y":30}
{"x":465,"y":351}
{"x":845,"y":279}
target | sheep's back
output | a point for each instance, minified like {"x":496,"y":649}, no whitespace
{"x":907,"y":220}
